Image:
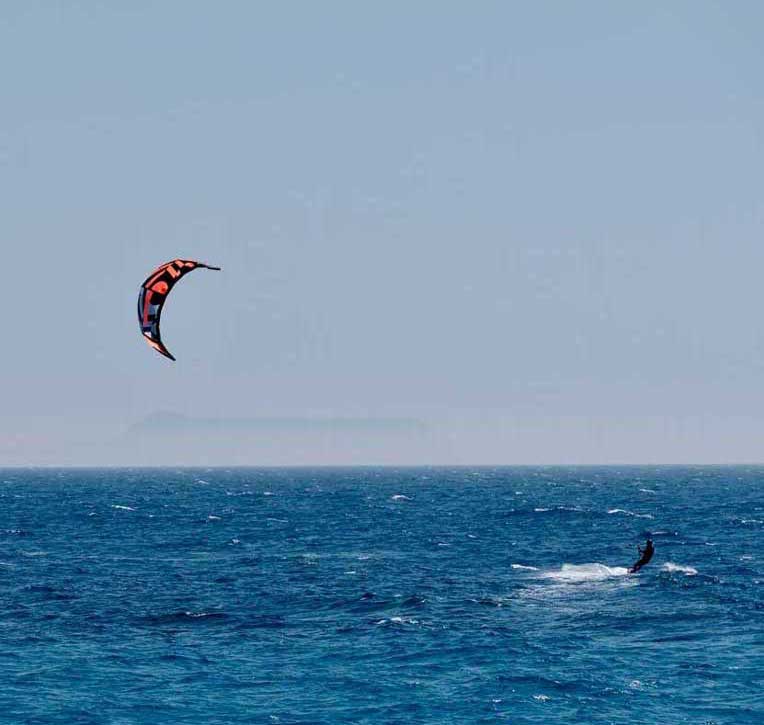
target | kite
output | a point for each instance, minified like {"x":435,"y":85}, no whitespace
{"x":153,"y":295}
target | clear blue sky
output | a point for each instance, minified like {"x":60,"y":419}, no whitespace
{"x":536,"y":225}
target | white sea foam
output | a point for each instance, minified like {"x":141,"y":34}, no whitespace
{"x":211,"y":517}
{"x":524,"y":567}
{"x":541,"y":698}
{"x":123,"y":508}
{"x":577,"y":573}
{"x":647,"y":490}
{"x":670,"y":566}
{"x":398,"y":621}
{"x":630,"y":513}
{"x":399,"y":497}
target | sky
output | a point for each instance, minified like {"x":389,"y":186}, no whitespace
{"x":534,"y":229}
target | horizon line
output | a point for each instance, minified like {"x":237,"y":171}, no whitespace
{"x":287,"y":466}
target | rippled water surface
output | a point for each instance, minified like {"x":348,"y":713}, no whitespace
{"x":381,"y":596}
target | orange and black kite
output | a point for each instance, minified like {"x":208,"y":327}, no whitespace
{"x":153,"y":295}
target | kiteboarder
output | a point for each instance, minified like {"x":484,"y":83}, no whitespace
{"x":644,"y":556}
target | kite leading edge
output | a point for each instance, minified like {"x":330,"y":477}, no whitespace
{"x":153,"y":295}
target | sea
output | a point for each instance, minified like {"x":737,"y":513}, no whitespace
{"x":381,"y":595}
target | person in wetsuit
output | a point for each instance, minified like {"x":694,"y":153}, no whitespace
{"x":645,"y":555}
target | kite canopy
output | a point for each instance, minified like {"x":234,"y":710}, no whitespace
{"x":153,"y":295}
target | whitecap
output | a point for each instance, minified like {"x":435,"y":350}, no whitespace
{"x":670,"y":566}
{"x":647,"y":490}
{"x":629,"y":513}
{"x":541,"y":698}
{"x":213,"y":518}
{"x":398,"y":620}
{"x":399,"y":497}
{"x":524,"y":567}
{"x":122,"y":508}
{"x":540,"y":510}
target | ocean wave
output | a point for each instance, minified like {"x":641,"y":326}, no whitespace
{"x":670,"y":566}
{"x":543,"y":510}
{"x":488,"y":602}
{"x":263,"y":621}
{"x":523,"y":567}
{"x":397,"y":622}
{"x":630,"y":513}
{"x":182,"y":617}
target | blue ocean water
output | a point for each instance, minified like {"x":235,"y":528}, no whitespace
{"x":489,"y":595}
